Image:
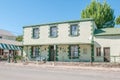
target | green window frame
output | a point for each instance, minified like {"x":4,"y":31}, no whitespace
{"x":74,"y":30}
{"x":53,"y":31}
{"x":73,"y":52}
{"x":35,"y":33}
{"x":34,"y":51}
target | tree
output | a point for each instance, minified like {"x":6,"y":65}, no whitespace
{"x":118,"y":20}
{"x":101,"y":13}
{"x":19,"y":38}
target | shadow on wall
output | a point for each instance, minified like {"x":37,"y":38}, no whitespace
{"x":97,"y":44}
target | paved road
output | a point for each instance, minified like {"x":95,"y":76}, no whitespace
{"x":37,"y":73}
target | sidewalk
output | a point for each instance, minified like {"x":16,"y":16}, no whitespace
{"x":51,"y":66}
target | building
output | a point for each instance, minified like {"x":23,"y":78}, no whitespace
{"x":107,"y":44}
{"x":8,"y":45}
{"x":77,"y":40}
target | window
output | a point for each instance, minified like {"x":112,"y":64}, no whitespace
{"x":98,"y":51}
{"x":74,"y":30}
{"x":35,"y":33}
{"x":35,"y":52}
{"x":74,"y":51}
{"x":84,"y":50}
{"x":53,"y":31}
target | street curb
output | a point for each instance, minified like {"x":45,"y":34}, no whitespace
{"x":60,"y":67}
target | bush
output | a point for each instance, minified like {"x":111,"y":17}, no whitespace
{"x":19,"y":57}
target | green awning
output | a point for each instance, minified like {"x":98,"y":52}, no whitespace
{"x":1,"y":47}
{"x":15,"y":47}
{"x":4,"y":46}
{"x":9,"y":47}
{"x":19,"y":48}
{"x":12,"y":47}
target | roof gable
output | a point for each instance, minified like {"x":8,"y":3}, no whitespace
{"x":5,"y":32}
{"x":107,"y":32}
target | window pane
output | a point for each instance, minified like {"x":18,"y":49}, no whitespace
{"x":35,"y":52}
{"x":74,"y":51}
{"x":36,"y":33}
{"x":98,"y":51}
{"x":53,"y":31}
{"x":74,"y":30}
{"x":76,"y":54}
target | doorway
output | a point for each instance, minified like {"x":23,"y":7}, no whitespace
{"x":51,"y":53}
{"x":106,"y":54}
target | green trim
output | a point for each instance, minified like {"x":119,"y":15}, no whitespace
{"x":31,"y":54}
{"x":35,"y":53}
{"x":79,"y":51}
{"x":48,"y":53}
{"x":69,"y":49}
{"x":70,"y":31}
{"x":69,"y":55}
{"x":39,"y":50}
{"x":92,"y":52}
{"x":56,"y":53}
{"x":55,"y":23}
{"x":107,"y":32}
{"x":33,"y":33}
{"x":50,"y":31}
{"x":92,"y":42}
{"x":59,"y":44}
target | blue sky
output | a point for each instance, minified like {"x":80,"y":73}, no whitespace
{"x":14,"y":14}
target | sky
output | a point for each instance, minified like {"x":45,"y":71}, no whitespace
{"x":14,"y":14}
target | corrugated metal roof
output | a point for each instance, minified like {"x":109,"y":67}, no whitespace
{"x":10,"y":42}
{"x":107,"y":31}
{"x":5,"y":32}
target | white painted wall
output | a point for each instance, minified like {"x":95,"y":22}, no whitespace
{"x":44,"y":52}
{"x":63,"y":53}
{"x":63,"y":35}
{"x":108,"y":41}
{"x":85,"y":56}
